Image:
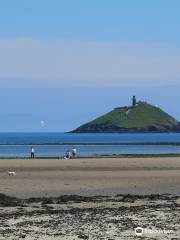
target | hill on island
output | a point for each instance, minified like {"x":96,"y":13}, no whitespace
{"x":140,"y":117}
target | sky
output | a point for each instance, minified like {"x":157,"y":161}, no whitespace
{"x":65,"y":62}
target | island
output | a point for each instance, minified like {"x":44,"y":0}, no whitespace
{"x":139,"y":117}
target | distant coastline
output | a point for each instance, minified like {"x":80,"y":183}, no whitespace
{"x":133,"y":131}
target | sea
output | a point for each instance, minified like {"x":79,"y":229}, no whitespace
{"x":56,"y":144}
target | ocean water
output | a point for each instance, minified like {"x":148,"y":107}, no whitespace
{"x":55,"y":144}
{"x":59,"y":138}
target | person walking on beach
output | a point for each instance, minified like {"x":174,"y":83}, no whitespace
{"x":74,"y":152}
{"x":32,"y":152}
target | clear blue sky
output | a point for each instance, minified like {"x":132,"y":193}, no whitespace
{"x":66,"y":62}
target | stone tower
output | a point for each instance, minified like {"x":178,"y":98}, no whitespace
{"x":134,"y":101}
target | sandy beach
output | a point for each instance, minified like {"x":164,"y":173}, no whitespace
{"x":93,"y":198}
{"x":89,"y":177}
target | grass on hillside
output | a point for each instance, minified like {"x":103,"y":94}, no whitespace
{"x":141,"y":116}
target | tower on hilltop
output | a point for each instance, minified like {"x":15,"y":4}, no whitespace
{"x":134,"y":101}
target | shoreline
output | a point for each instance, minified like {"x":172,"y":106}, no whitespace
{"x":98,"y":156}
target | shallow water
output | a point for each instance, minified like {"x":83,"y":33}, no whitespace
{"x":69,"y":139}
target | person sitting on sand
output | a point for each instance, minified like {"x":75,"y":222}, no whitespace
{"x":32,"y":152}
{"x":68,"y":154}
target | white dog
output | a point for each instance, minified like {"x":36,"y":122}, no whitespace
{"x":12,"y":173}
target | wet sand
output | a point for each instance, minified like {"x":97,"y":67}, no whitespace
{"x":93,"y":176}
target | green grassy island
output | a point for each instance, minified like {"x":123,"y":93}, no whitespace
{"x":137,"y":118}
